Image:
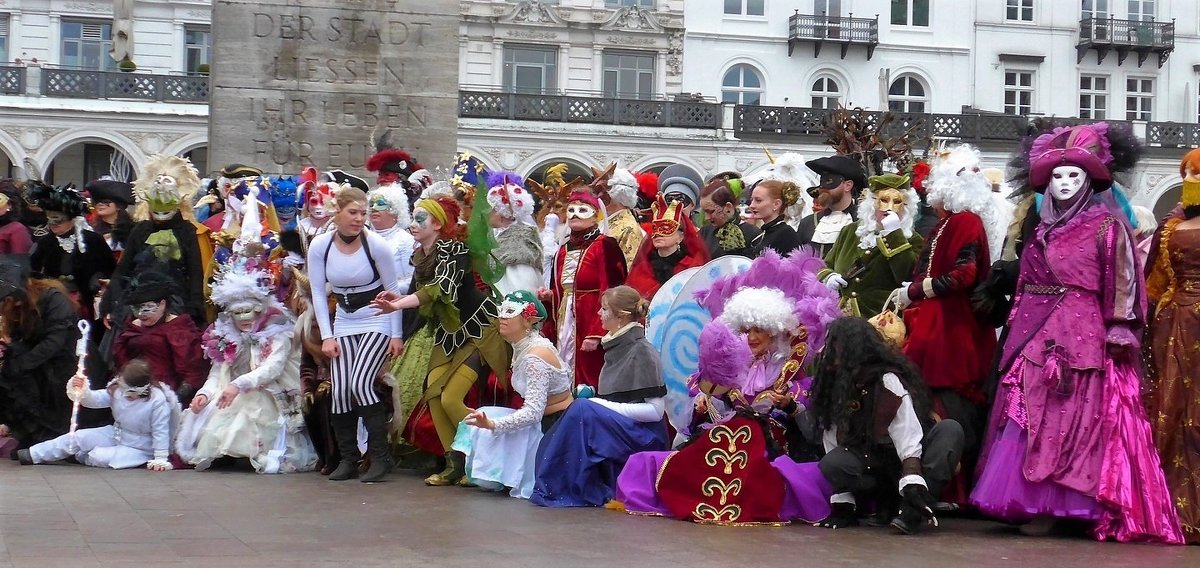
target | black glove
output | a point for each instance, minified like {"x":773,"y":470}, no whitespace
{"x":916,"y":509}
{"x":841,"y":515}
{"x":185,"y":392}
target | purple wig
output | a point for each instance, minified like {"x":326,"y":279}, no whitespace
{"x":724,"y":356}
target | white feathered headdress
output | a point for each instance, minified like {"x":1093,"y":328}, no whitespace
{"x":789,"y":167}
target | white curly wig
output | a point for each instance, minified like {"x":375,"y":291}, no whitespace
{"x":868,"y":227}
{"x":764,"y":308}
{"x":623,"y":188}
{"x":396,"y":197}
{"x":957,"y":184}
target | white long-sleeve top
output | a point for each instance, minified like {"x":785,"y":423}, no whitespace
{"x":141,"y":423}
{"x":403,"y":245}
{"x":536,"y":381}
{"x":650,"y":411}
{"x":351,"y":273}
{"x":905,"y":431}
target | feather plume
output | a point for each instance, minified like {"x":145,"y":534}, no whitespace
{"x":723,"y":355}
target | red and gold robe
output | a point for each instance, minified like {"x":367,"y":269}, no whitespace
{"x":584,"y":268}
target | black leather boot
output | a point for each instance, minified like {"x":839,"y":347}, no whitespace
{"x":345,"y":431}
{"x":375,"y":419}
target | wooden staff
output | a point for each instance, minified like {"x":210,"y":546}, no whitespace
{"x":85,"y":329}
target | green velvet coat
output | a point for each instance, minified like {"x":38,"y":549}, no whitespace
{"x":871,"y":275}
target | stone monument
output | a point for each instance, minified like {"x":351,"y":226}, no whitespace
{"x":300,"y":83}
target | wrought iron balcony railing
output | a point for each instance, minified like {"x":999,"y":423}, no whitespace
{"x":844,"y":31}
{"x":1145,"y":38}
{"x":12,"y":79}
{"x":76,"y":83}
{"x":596,"y":110}
{"x":758,"y":121}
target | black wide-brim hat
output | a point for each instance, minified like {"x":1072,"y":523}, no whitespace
{"x":110,"y":190}
{"x":843,"y":166}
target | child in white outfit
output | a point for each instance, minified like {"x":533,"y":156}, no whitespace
{"x":145,"y":413}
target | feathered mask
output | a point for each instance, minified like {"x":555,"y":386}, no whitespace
{"x":319,"y":195}
{"x":242,"y":283}
{"x":166,"y":182}
{"x":508,"y":197}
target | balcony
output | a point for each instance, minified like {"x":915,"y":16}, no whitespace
{"x":1125,"y":36}
{"x":843,"y":31}
{"x":750,"y":122}
{"x":12,"y":80}
{"x":589,"y":109}
{"x":86,"y":84}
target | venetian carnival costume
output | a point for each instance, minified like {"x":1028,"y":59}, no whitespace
{"x":392,"y":200}
{"x":250,"y":220}
{"x":837,"y":174}
{"x":165,"y":233}
{"x":587,"y":265}
{"x":518,"y":243}
{"x":737,"y":411}
{"x":1172,"y":397}
{"x":286,"y":198}
{"x":461,"y":316}
{"x":673,"y":234}
{"x":876,"y":254}
{"x":316,"y":217}
{"x":394,"y":166}
{"x":120,"y":195}
{"x":578,"y":460}
{"x":170,"y":345}
{"x":251,"y":405}
{"x":503,"y":456}
{"x":618,"y":190}
{"x":145,"y":414}
{"x":950,"y":346}
{"x":78,"y":256}
{"x":1070,"y":363}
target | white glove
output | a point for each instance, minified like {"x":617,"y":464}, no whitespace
{"x":159,"y":465}
{"x":293,"y":260}
{"x":902,"y":299}
{"x":890,"y":222}
{"x":835,"y":282}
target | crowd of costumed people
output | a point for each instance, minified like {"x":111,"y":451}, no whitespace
{"x":875,"y":336}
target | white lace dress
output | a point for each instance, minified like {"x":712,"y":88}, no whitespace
{"x":504,"y":457}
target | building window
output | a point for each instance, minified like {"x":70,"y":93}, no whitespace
{"x":529,"y":69}
{"x":624,"y":3}
{"x":1139,"y":99}
{"x":1097,"y":9}
{"x":910,"y":13}
{"x":1142,"y":10}
{"x":1018,"y":92}
{"x":831,"y":8}
{"x":742,"y":85}
{"x":3,"y":37}
{"x":906,"y":94}
{"x":199,"y":44}
{"x":745,"y":7}
{"x":1019,"y":11}
{"x":1093,"y":97}
{"x":826,"y":93}
{"x":628,"y":75}
{"x":85,"y":45}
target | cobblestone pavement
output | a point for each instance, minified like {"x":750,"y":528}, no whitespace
{"x":69,"y":515}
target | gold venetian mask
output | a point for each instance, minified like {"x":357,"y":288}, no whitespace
{"x":890,"y":200}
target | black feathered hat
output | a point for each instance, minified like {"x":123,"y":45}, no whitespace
{"x":118,"y":192}
{"x":65,"y":199}
{"x":149,"y":285}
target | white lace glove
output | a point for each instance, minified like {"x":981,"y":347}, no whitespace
{"x":835,"y":282}
{"x":159,"y":465}
{"x":902,"y":300}
{"x":890,"y":222}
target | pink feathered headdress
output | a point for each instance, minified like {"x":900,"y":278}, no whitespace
{"x":1086,"y":147}
{"x":724,"y":357}
{"x":793,"y":279}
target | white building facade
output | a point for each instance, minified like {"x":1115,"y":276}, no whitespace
{"x":647,"y":83}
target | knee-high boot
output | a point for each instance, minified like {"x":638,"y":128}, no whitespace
{"x":345,"y":431}
{"x":375,"y":419}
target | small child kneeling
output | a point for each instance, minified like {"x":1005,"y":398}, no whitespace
{"x":144,"y":414}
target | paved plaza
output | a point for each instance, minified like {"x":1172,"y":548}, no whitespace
{"x":65,"y":515}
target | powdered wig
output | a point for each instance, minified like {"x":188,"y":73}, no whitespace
{"x":623,"y":188}
{"x":397,"y":200}
{"x":776,"y":294}
{"x":958,"y":184}
{"x":868,"y":226}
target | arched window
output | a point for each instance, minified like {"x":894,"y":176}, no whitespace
{"x":826,"y":93}
{"x":906,"y":94}
{"x":742,"y":85}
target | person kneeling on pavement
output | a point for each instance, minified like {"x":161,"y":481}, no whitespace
{"x":873,"y":410}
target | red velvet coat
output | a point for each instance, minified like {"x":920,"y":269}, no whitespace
{"x":171,"y":348}
{"x":602,"y":266}
{"x":947,"y":343}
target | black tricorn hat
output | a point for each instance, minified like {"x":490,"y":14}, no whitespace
{"x":238,"y":171}
{"x":111,"y":190}
{"x":844,"y":166}
{"x":342,"y":177}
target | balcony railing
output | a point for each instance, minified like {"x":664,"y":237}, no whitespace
{"x":12,"y":79}
{"x":75,"y":83}
{"x":1172,"y":135}
{"x":595,"y":110}
{"x":758,"y":121}
{"x":845,"y":31}
{"x":1145,"y":38}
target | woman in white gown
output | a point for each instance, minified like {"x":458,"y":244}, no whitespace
{"x":250,"y":406}
{"x":501,"y":443}
{"x":518,"y":241}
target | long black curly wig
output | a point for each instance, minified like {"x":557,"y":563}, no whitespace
{"x":854,"y":359}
